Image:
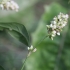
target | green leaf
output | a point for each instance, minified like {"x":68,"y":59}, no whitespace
{"x":1,"y":68}
{"x":17,"y":31}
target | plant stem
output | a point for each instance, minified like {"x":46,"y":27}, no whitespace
{"x":42,"y":39}
{"x":24,"y":62}
{"x":29,"y":52}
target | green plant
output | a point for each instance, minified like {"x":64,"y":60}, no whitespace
{"x":18,"y":31}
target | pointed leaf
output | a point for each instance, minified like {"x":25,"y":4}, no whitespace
{"x":17,"y":31}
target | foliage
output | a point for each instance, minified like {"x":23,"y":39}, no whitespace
{"x":50,"y":54}
{"x":17,"y":31}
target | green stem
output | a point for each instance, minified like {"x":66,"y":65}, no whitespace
{"x":29,"y":52}
{"x":24,"y":63}
{"x":42,"y":39}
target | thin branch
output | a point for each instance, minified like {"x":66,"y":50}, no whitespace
{"x":29,"y":52}
{"x":42,"y":39}
{"x":24,"y":63}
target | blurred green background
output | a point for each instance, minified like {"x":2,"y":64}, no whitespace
{"x":35,"y":14}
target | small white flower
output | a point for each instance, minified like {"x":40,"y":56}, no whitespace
{"x":31,"y":47}
{"x":60,"y":19}
{"x":55,"y":18}
{"x":53,"y":35}
{"x":63,"y":25}
{"x":51,"y":25}
{"x":54,"y":26}
{"x":1,"y":6}
{"x":9,"y":5}
{"x":34,"y":50}
{"x":67,"y":16}
{"x":54,"y":32}
{"x":28,"y":48}
{"x":59,"y":16}
{"x":64,"y":16}
{"x":58,"y":33}
{"x":14,"y":5}
{"x":57,"y":25}
{"x":53,"y":22}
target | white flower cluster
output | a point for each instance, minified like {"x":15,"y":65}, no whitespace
{"x":31,"y":49}
{"x":57,"y":25}
{"x":9,"y":5}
